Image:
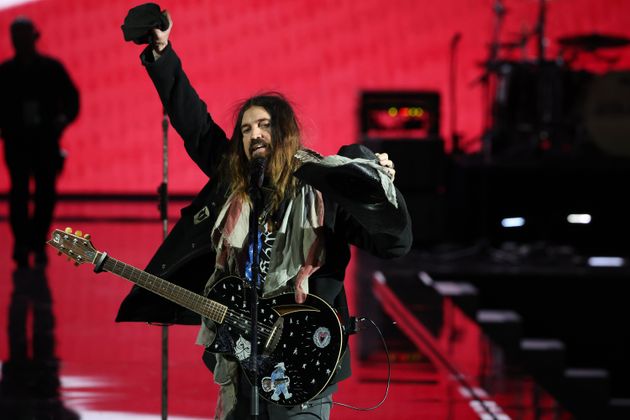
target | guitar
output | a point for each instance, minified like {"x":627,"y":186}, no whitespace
{"x":299,"y":345}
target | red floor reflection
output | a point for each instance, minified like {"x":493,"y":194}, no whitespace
{"x":112,"y":371}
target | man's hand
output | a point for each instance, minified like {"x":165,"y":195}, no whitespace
{"x":383,"y":160}
{"x":160,"y":38}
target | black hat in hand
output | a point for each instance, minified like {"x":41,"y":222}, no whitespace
{"x":357,"y":188}
{"x":141,"y":20}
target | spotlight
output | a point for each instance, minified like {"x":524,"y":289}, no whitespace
{"x":606,"y":261}
{"x":512,"y":222}
{"x":580,"y":219}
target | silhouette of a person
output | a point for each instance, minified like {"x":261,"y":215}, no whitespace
{"x":29,"y":381}
{"x":38,"y":101}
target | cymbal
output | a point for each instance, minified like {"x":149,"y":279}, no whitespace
{"x":593,"y":41}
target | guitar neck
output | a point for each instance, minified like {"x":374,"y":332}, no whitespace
{"x":189,"y":300}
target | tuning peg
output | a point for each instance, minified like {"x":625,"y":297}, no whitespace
{"x":76,"y":264}
{"x":78,"y":233}
{"x":59,"y":253}
{"x":68,"y":229}
{"x":87,"y":236}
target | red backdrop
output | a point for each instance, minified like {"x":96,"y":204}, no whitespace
{"x":320,"y":54}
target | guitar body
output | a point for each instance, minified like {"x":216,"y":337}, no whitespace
{"x":299,"y":345}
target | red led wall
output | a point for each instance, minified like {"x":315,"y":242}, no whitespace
{"x":321,"y":54}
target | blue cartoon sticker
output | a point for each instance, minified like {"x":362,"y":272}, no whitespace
{"x":278,"y":382}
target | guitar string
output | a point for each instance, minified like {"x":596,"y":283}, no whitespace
{"x":262,"y":328}
{"x":230,"y":315}
{"x":236,"y":320}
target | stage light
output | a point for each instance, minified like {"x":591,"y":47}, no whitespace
{"x":417,"y":112}
{"x":512,"y":222}
{"x":5,"y":4}
{"x":606,"y":262}
{"x":582,"y":219}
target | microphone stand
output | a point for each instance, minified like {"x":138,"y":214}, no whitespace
{"x":163,"y":208}
{"x":489,"y":124}
{"x":256,"y":196}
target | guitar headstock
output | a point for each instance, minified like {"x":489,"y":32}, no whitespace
{"x":76,"y":246}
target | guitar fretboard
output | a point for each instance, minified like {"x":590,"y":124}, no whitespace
{"x":196,"y":303}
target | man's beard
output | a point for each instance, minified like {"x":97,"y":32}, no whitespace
{"x":253,"y":147}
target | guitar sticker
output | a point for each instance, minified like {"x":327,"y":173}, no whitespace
{"x":321,"y":337}
{"x":243,"y":349}
{"x":278,"y":382}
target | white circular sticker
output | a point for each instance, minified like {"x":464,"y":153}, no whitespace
{"x":321,"y":337}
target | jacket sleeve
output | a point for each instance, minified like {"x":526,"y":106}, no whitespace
{"x":204,"y":140}
{"x":357,"y":208}
{"x":391,"y":237}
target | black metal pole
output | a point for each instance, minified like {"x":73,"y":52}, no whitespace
{"x":163,"y":207}
{"x":490,"y":107}
{"x":540,"y":30}
{"x":256,"y":197}
{"x":455,"y":138}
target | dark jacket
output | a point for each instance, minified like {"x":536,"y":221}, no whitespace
{"x":34,"y":97}
{"x":185,"y":257}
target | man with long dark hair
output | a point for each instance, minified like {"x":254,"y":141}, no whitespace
{"x":309,"y":218}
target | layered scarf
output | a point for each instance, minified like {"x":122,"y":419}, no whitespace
{"x":297,"y":252}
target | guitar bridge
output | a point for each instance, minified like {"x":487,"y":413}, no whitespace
{"x":276,"y":330}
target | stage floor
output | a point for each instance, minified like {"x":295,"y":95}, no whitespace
{"x":107,"y":370}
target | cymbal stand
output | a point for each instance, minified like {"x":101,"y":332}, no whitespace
{"x":489,"y":112}
{"x":489,"y":130}
{"x":547,"y":84}
{"x":540,"y":30}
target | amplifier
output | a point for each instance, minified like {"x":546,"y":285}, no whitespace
{"x":399,"y":114}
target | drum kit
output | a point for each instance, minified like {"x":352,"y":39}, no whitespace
{"x":542,"y":107}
